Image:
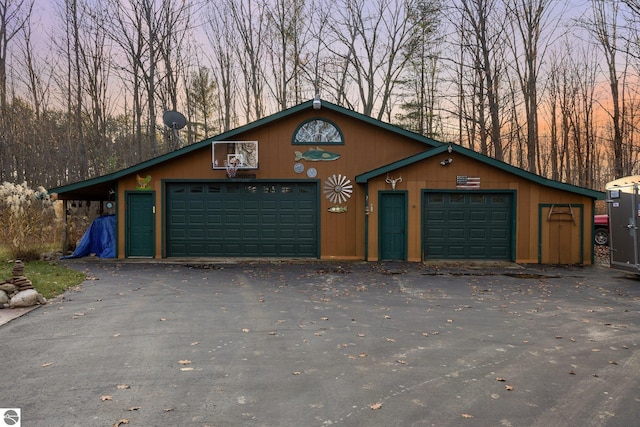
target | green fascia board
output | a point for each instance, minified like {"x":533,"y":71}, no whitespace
{"x":104,"y":179}
{"x":437,"y":147}
{"x":363,"y":178}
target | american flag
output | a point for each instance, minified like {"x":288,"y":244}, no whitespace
{"x":467,"y":183}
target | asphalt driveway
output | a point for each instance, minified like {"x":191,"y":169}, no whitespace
{"x":328,"y":344}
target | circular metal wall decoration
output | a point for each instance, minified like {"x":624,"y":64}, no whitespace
{"x":338,"y":188}
{"x":312,"y":172}
{"x":298,"y":167}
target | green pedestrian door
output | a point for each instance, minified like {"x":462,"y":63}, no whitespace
{"x":393,"y":226}
{"x":140,"y":225}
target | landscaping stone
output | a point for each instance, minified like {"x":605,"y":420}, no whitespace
{"x":19,"y":290}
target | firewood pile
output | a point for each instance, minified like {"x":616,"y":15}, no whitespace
{"x":18,"y":291}
{"x":602,"y":255}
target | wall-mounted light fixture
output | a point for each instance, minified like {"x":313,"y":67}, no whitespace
{"x":450,"y":148}
{"x":446,"y":162}
{"x":368,"y":208}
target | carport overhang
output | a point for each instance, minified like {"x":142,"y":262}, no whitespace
{"x":95,"y":190}
{"x":98,"y":191}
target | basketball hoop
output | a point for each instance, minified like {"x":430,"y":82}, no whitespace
{"x":231,"y":167}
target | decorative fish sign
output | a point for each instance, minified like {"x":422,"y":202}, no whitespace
{"x":338,"y":209}
{"x":316,"y":155}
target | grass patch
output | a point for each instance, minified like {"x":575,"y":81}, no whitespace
{"x":48,"y":278}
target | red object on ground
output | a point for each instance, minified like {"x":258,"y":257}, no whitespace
{"x":601,"y":220}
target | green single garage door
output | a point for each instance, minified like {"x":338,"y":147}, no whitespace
{"x":468,"y":225}
{"x":232,"y":219}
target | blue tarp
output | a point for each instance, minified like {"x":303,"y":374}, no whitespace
{"x":99,"y":239}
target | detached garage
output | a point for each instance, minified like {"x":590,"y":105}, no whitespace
{"x":330,"y":183}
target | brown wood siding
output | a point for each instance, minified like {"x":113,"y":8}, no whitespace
{"x":429,"y":174}
{"x":366,"y":147}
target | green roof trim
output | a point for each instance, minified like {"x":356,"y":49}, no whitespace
{"x":435,"y":148}
{"x":363,"y":178}
{"x":106,"y":179}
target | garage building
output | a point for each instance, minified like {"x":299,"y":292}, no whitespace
{"x":330,"y":183}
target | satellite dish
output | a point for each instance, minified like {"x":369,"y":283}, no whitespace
{"x":174,"y":120}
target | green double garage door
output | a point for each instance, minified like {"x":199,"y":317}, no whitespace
{"x":468,"y":225}
{"x":234,"y":219}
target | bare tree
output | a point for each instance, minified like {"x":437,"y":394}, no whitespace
{"x":95,"y":51}
{"x":287,"y":21}
{"x":13,"y":17}
{"x":250,"y":22}
{"x":604,"y":27}
{"x":582,"y":123}
{"x":372,"y":38}
{"x":315,"y":58}
{"x":36,"y":77}
{"x":330,"y":73}
{"x":514,"y":135}
{"x":145,"y":31}
{"x":556,"y":154}
{"x":483,"y":45}
{"x":125,"y":28}
{"x":74,"y":107}
{"x":175,"y":38}
{"x":67,"y":44}
{"x":571,"y":113}
{"x":528,"y":18}
{"x":634,"y":6}
{"x":118,"y":65}
{"x":220,"y":32}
